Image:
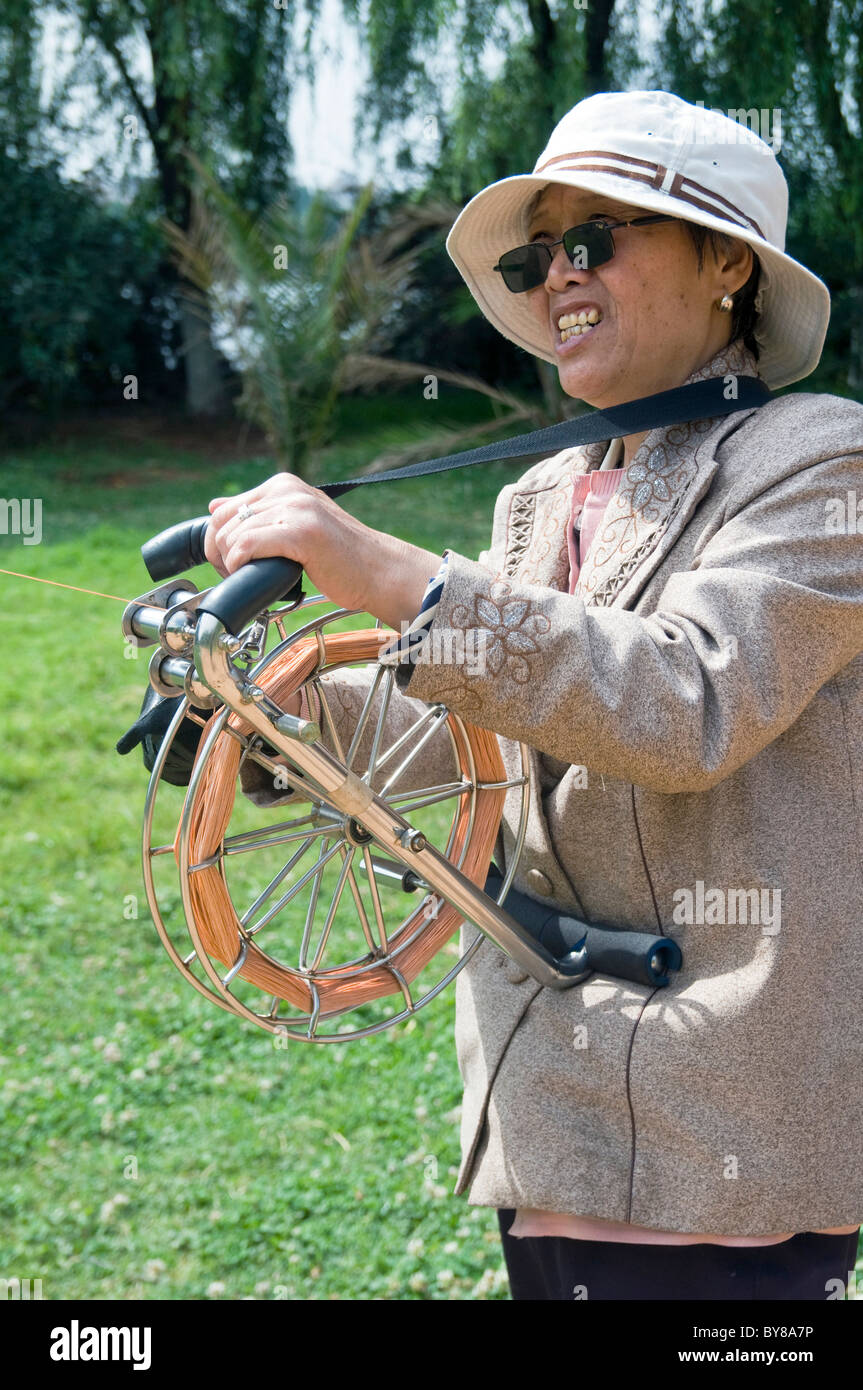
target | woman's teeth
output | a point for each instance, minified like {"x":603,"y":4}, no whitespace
{"x":573,"y":325}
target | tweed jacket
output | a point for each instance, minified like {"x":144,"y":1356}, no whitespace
{"x":695,"y":718}
{"x":696,"y":715}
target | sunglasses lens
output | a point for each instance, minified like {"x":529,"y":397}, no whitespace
{"x":525,"y":267}
{"x":588,"y":246}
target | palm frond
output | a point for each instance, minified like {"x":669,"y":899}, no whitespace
{"x":437,"y":445}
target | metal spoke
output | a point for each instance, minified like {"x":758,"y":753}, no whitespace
{"x":238,"y":964}
{"x":376,"y":897}
{"x":246,"y":836}
{"x":379,"y":729}
{"x":434,"y":713}
{"x":310,"y":910}
{"x":435,"y":794}
{"x":253,"y":752}
{"x":333,"y":908}
{"x":292,"y":892}
{"x":334,"y":733}
{"x":302,"y":783}
{"x":406,"y":762}
{"x":274,"y":882}
{"x":364,"y":716}
{"x":361,"y":911}
{"x":403,"y":985}
{"x":316,"y":1009}
{"x":280,"y":839}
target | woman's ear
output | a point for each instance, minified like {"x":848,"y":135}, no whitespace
{"x":734,"y":262}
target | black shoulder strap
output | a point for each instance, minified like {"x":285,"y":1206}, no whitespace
{"x":700,"y":400}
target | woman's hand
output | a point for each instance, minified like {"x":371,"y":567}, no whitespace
{"x":350,"y":563}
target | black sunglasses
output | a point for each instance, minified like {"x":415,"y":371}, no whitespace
{"x":590,"y":244}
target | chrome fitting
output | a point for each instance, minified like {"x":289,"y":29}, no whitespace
{"x":305,"y":730}
{"x":413,"y":840}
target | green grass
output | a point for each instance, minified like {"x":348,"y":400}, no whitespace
{"x":153,"y":1146}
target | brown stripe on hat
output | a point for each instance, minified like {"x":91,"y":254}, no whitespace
{"x":655,"y":180}
{"x":718,"y":206}
{"x":599,"y":154}
{"x":737,"y":214}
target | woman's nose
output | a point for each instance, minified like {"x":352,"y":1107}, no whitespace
{"x":563,"y":271}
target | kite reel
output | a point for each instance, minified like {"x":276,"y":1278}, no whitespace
{"x":332,"y":915}
{"x":334,"y":918}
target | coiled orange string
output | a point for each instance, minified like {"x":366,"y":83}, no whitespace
{"x":215,"y":918}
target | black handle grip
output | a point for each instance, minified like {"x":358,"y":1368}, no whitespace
{"x":239,"y":597}
{"x":631,"y":955}
{"x":179,"y":548}
{"x":249,"y":590}
{"x":638,"y":956}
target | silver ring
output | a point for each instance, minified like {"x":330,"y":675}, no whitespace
{"x":244,"y":512}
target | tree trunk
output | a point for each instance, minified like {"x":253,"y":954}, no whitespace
{"x":205,"y":388}
{"x":552,"y":394}
{"x":598,"y":26}
{"x":544,"y":31}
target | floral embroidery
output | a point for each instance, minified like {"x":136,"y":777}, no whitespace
{"x":461,"y":694}
{"x":511,"y":627}
{"x":605,"y":593}
{"x":648,"y":482}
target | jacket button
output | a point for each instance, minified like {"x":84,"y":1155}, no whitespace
{"x":515,"y":974}
{"x":538,"y":882}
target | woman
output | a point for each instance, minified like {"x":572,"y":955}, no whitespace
{"x":676,"y":613}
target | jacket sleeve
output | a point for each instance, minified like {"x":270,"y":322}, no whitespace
{"x":678,"y":698}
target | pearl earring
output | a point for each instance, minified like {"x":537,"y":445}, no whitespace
{"x":726,"y":304}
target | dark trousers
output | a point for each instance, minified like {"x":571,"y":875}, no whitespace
{"x":550,"y":1267}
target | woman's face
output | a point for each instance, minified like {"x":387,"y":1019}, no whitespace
{"x":657,"y":322}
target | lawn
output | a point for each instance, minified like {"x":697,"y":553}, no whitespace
{"x":153,"y":1146}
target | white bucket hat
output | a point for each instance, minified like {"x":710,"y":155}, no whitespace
{"x":655,"y":151}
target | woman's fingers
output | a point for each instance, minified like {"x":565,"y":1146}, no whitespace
{"x":212,"y":551}
{"x":227,"y":513}
{"x":225,"y":522}
{"x":279,"y":517}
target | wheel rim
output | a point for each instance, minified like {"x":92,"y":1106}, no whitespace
{"x":282,"y":944}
